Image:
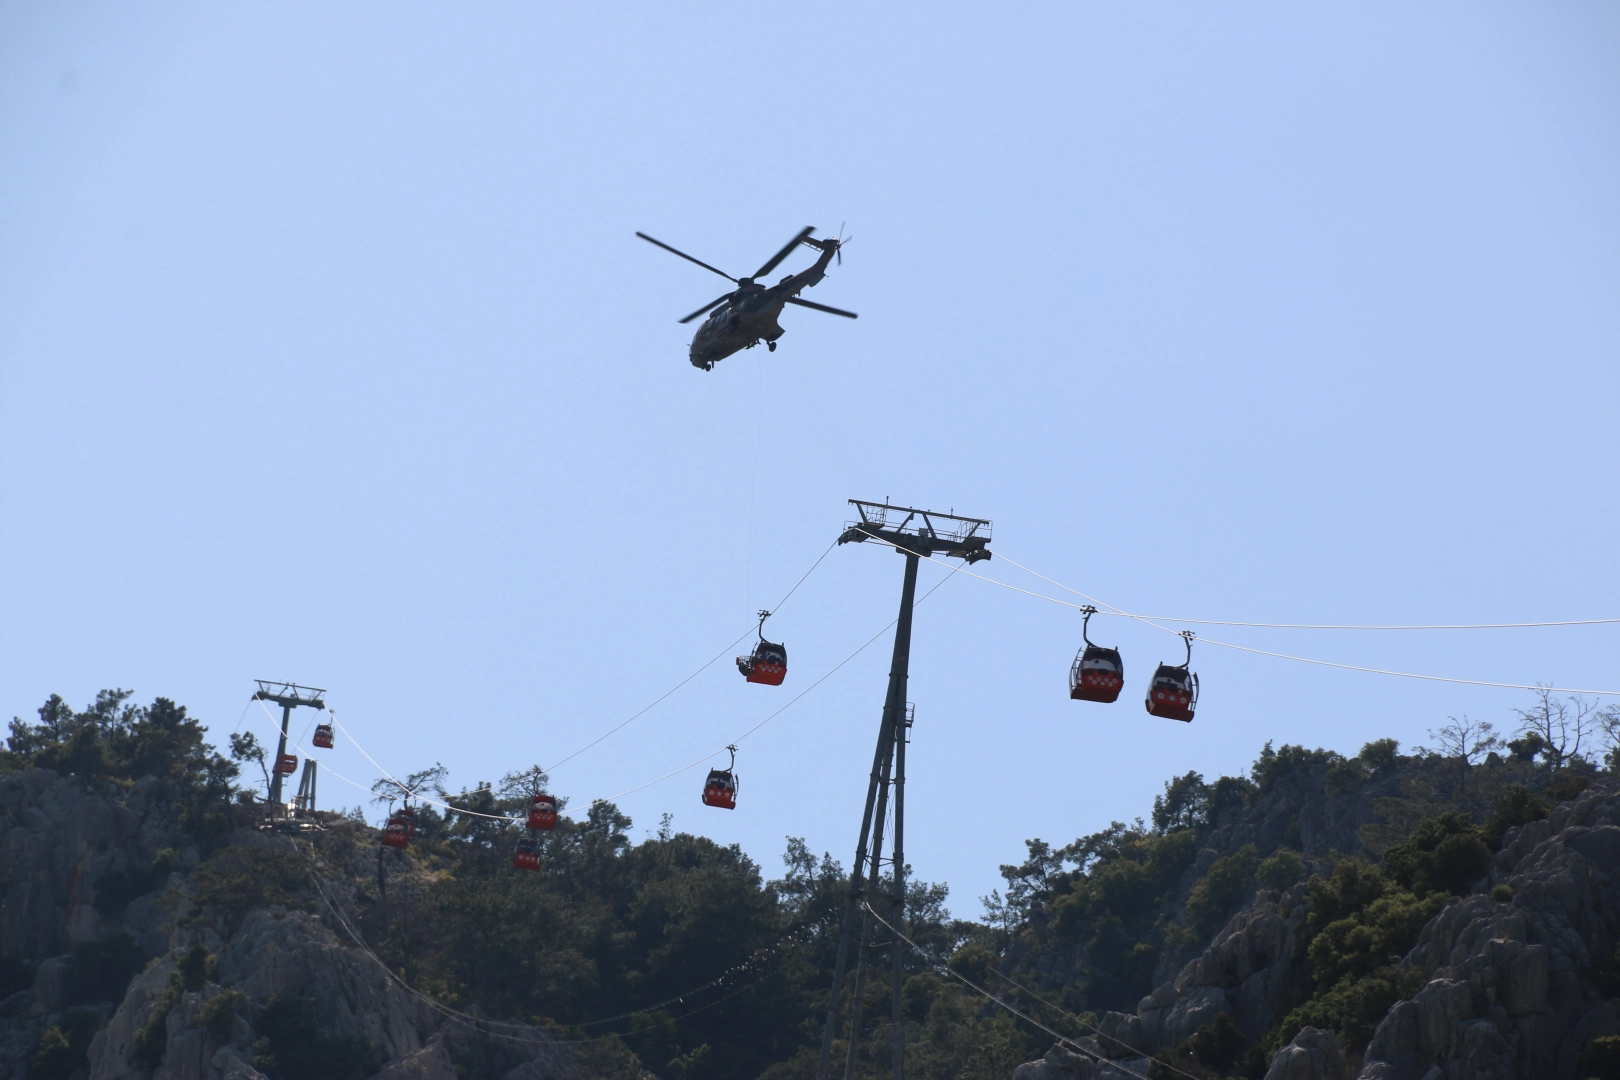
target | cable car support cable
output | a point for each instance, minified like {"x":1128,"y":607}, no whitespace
{"x":1315,"y":626}
{"x":482,"y":1024}
{"x":1060,"y":1037}
{"x":784,"y":708}
{"x":700,"y":670}
{"x":421,"y":796}
{"x":1148,"y":620}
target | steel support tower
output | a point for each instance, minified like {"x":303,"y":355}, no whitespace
{"x":289,"y":696}
{"x":916,"y":534}
{"x":305,"y":799}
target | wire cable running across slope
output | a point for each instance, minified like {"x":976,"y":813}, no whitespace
{"x":1064,"y":1039}
{"x":424,"y":797}
{"x":784,"y":708}
{"x":484,"y":1024}
{"x":699,"y":671}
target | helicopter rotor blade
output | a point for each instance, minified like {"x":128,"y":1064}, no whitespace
{"x":688,"y":258}
{"x":784,"y":253}
{"x":822,"y":307}
{"x":706,"y":308}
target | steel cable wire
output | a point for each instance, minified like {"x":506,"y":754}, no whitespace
{"x":1314,"y":626}
{"x":784,"y":708}
{"x":1149,"y":621}
{"x":1112,"y":1063}
{"x":700,"y":670}
{"x":481,"y":1023}
{"x":420,"y":796}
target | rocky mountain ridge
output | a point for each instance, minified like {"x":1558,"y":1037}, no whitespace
{"x":1515,"y":978}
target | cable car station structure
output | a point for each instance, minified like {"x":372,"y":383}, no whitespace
{"x":289,"y":696}
{"x":916,"y":534}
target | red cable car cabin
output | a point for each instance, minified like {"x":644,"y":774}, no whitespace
{"x":286,"y":763}
{"x":720,"y":789}
{"x":1098,"y":674}
{"x":768,"y":662}
{"x":323,"y":736}
{"x":397,"y":833}
{"x":543,"y":812}
{"x":527,"y":854}
{"x":1173,"y":693}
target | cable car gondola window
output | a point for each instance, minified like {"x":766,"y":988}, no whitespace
{"x":400,"y":828}
{"x":1098,"y":673}
{"x":720,"y":789}
{"x":1173,"y":691}
{"x":767,"y":664}
{"x":527,"y":854}
{"x":542,"y":812}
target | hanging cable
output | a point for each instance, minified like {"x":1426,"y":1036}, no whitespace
{"x":373,"y":791}
{"x":327,"y":769}
{"x":482,"y":1023}
{"x":1064,"y":1039}
{"x":1316,"y":626}
{"x":784,"y":708}
{"x":1149,"y":621}
{"x":699,"y":671}
{"x":514,"y":821}
{"x":239,"y":719}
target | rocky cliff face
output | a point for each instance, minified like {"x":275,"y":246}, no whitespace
{"x":96,"y":887}
{"x":1254,"y":972}
{"x":76,"y":866}
{"x":1518,"y":978}
{"x":1518,"y":986}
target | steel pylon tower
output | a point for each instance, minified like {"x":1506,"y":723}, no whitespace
{"x":289,"y":696}
{"x":916,"y":534}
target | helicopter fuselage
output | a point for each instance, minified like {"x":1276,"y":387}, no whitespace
{"x":749,"y":315}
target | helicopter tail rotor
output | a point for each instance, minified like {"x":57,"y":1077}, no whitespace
{"x":803,"y":237}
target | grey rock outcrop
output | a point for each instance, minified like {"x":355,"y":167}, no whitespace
{"x":1254,"y":971}
{"x":1512,"y":987}
{"x":432,"y":1062}
{"x":286,"y":954}
{"x":1310,"y":1055}
{"x":65,"y":852}
{"x":1062,"y":1063}
{"x":77,"y":866}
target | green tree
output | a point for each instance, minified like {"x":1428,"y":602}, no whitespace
{"x":1445,"y":854}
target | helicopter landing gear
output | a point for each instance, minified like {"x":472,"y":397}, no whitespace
{"x":770,"y":346}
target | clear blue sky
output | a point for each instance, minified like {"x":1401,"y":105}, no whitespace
{"x":328,"y":353}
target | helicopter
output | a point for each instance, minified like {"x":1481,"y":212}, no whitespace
{"x":747,"y":315}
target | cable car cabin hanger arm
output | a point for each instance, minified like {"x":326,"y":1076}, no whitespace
{"x":767,"y":664}
{"x":744,"y":317}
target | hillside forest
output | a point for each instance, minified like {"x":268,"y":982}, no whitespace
{"x":682,"y":958}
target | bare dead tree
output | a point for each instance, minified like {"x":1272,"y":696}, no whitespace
{"x":428,"y":781}
{"x":1564,"y":725}
{"x":1466,"y":740}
